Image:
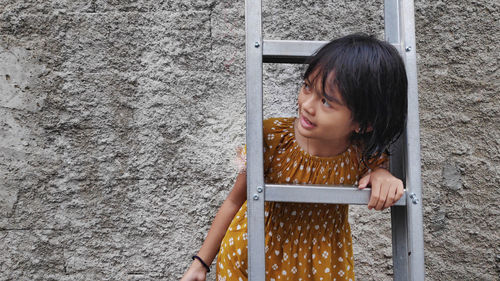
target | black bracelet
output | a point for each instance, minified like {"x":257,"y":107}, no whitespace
{"x":202,"y":262}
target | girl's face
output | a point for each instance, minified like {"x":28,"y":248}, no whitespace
{"x":326,"y":120}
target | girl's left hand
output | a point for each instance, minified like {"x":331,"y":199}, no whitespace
{"x":386,"y":188}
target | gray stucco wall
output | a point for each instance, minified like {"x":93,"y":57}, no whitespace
{"x":119,"y":122}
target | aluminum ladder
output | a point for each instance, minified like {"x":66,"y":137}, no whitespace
{"x":406,"y":216}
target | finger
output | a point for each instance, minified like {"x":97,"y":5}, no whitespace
{"x":363,"y":182}
{"x":384,"y":190}
{"x":399,"y":191}
{"x":374,"y":196}
{"x":391,"y":195}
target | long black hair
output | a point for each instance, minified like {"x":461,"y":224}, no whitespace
{"x":371,"y":77}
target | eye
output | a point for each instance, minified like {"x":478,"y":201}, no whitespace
{"x":325,"y":102}
{"x":306,"y":87}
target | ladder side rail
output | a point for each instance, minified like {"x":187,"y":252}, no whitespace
{"x":413,"y":173}
{"x":254,"y":140}
{"x":392,"y":31}
{"x":398,"y":157}
{"x":399,"y":214}
{"x":399,"y":242}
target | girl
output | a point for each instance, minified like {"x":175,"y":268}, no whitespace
{"x":351,"y":106}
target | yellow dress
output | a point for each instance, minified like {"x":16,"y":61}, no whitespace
{"x":303,"y":241}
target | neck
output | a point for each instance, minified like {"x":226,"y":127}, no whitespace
{"x":320,"y":147}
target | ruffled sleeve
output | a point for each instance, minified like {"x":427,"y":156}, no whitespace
{"x":271,"y":141}
{"x":273,"y":135}
{"x":241,"y":159}
{"x":380,"y":162}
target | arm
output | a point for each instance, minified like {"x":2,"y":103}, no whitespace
{"x":222,"y":220}
{"x":386,"y":188}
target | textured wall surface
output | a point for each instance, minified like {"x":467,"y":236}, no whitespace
{"x":119,"y":122}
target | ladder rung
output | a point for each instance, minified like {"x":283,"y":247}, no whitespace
{"x":289,"y":51}
{"x":292,"y":51}
{"x":321,"y":194}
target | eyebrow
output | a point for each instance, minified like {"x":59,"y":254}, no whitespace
{"x":307,"y":81}
{"x":333,"y":99}
{"x":328,"y":97}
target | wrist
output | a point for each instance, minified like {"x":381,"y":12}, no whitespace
{"x":197,"y":266}
{"x":201,"y":263}
{"x":380,"y":170}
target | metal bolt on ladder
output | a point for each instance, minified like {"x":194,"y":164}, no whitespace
{"x":406,"y":216}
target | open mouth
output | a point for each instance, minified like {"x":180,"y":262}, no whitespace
{"x":306,"y":123}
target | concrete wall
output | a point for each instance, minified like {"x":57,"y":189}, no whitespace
{"x":119,"y":122}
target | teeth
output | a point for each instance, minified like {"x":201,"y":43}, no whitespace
{"x":307,"y":121}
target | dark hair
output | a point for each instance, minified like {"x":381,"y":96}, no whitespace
{"x":371,"y":78}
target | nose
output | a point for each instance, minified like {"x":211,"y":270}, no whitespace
{"x":309,"y":104}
